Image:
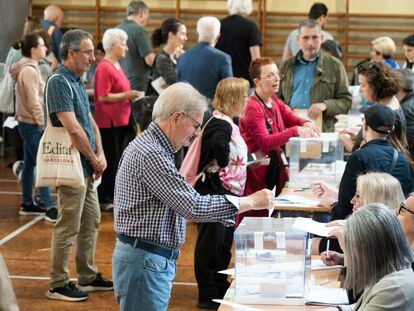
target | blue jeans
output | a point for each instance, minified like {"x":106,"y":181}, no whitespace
{"x":31,"y":134}
{"x":142,"y":280}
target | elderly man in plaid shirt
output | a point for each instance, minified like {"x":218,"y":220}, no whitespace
{"x":152,"y":202}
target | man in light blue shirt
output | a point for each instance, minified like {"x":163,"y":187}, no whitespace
{"x":315,"y":81}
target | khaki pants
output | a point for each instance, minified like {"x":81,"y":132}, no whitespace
{"x":7,"y":298}
{"x":78,"y":220}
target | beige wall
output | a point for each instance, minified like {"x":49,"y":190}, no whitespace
{"x":335,"y":6}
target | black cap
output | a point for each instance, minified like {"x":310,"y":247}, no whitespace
{"x":380,"y":118}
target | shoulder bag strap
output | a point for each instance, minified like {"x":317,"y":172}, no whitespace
{"x":47,"y":102}
{"x":394,"y":160}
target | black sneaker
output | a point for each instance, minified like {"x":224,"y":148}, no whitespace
{"x":51,"y":214}
{"x":211,"y":305}
{"x":106,"y":207}
{"x":31,"y":209}
{"x":99,"y":284}
{"x":69,"y":292}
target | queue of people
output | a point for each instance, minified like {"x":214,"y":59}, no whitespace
{"x":250,"y":105}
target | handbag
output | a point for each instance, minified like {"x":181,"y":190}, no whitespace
{"x":58,"y":162}
{"x":191,"y":161}
{"x":273,"y":169}
{"x":7,"y":94}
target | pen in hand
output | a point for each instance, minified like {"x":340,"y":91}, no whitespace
{"x":327,"y":248}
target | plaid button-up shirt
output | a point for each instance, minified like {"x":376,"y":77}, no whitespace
{"x":152,"y":201}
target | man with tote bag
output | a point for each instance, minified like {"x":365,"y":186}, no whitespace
{"x":78,"y":207}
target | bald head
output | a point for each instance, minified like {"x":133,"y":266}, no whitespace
{"x":54,"y":14}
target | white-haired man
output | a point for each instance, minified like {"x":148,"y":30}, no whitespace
{"x":52,"y":21}
{"x":152,"y":202}
{"x":204,"y":66}
{"x":240,"y":37}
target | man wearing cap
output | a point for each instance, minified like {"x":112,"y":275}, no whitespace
{"x":377,"y":155}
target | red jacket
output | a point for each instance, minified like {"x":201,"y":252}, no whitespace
{"x":258,"y":139}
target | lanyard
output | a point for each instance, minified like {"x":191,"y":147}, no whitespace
{"x":272,"y":113}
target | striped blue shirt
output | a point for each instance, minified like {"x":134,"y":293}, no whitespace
{"x":60,"y":100}
{"x":152,"y":201}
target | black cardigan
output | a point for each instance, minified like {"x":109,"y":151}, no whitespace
{"x":215,"y":144}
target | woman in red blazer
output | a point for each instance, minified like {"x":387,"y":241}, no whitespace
{"x":267,"y":125}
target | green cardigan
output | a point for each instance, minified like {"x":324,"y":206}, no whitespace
{"x":330,"y":86}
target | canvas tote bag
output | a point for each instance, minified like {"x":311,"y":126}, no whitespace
{"x":58,"y":162}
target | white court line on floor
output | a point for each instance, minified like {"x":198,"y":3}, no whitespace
{"x":46,"y":278}
{"x":8,"y":180}
{"x":21,"y":229}
{"x":19,"y":193}
{"x":11,"y":192}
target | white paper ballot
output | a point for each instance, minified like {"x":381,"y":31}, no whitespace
{"x":236,"y":306}
{"x":158,"y":84}
{"x":321,"y":295}
{"x":96,"y":183}
{"x":293,"y":199}
{"x":263,"y":161}
{"x":317,"y":264}
{"x":10,"y":122}
{"x":309,"y":225}
{"x":227,"y":272}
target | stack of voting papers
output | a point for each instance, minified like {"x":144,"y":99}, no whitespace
{"x":320,"y":295}
{"x":317,"y":264}
{"x":292,"y":199}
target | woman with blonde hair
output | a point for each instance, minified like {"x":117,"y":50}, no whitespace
{"x":382,"y":50}
{"x":378,"y":187}
{"x":370,"y":187}
{"x":223,"y":161}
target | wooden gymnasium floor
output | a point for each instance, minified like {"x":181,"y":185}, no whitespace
{"x":25,"y":246}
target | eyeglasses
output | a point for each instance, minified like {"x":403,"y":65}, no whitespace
{"x":89,"y":53}
{"x":196,"y":124}
{"x":273,"y":76}
{"x":403,"y":207}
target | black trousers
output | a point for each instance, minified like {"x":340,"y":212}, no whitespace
{"x":212,"y":254}
{"x":114,"y":141}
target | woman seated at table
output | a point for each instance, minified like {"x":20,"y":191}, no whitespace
{"x":370,"y":188}
{"x":113,"y":96}
{"x":223,"y":161}
{"x":266,"y":126}
{"x":378,"y":260}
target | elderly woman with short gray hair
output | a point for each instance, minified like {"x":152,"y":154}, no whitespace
{"x":113,"y":96}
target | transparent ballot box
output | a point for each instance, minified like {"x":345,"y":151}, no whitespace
{"x":270,"y":262}
{"x":315,"y":159}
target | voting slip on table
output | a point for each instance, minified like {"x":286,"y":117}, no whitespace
{"x":321,"y":277}
{"x":298,"y":199}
